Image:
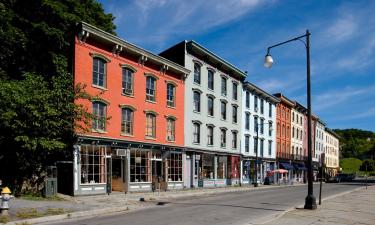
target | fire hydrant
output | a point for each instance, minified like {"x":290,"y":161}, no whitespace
{"x":5,"y":197}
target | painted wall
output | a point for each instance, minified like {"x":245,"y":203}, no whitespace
{"x":113,"y":95}
{"x":319,"y":140}
{"x":251,"y":132}
{"x":283,"y":131}
{"x":331,"y":144}
{"x":203,"y":116}
{"x":297,"y":132}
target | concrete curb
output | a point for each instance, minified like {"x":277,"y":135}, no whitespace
{"x":73,"y":215}
{"x":302,"y":205}
{"x":111,"y":210}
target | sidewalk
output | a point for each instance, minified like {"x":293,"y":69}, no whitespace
{"x":353,"y":208}
{"x":81,"y":206}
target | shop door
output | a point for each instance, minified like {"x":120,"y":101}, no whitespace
{"x":118,"y":174}
{"x":157,"y":174}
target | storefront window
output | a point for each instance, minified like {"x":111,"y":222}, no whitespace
{"x":140,"y":166}
{"x":93,"y":164}
{"x":175,"y":167}
{"x":222,"y":166}
{"x":208,"y":166}
{"x":246,"y":170}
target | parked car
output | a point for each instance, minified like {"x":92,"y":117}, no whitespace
{"x":341,"y":177}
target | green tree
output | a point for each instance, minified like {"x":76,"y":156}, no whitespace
{"x":37,"y":110}
{"x":368,"y":165}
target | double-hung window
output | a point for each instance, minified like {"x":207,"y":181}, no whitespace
{"x":247,"y":121}
{"x":223,"y":86}
{"x":99,"y":112}
{"x":247,"y":143}
{"x":210,"y":135}
{"x":234,"y":91}
{"x":170,"y":129}
{"x":234,"y":114}
{"x":151,"y":88}
{"x":197,"y":101}
{"x":256,"y":103}
{"x":223,"y":138}
{"x":255,"y":124}
{"x":223,"y":110}
{"x":150,"y":125}
{"x":210,"y":77}
{"x":262,"y":126}
{"x":127,"y":81}
{"x":234,"y":139}
{"x":99,"y":72}
{"x":247,"y":99}
{"x":210,"y":106}
{"x":127,"y":116}
{"x":196,"y":133}
{"x":270,"y":109}
{"x":197,"y":73}
{"x":171,"y":89}
{"x":261,"y":106}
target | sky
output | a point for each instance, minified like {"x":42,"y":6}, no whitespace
{"x":342,"y":45}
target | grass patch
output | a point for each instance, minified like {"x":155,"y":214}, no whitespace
{"x":28,"y":213}
{"x":38,"y":197}
{"x":350,"y":165}
{"x":4,"y":219}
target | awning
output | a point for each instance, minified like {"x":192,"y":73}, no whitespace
{"x":286,"y":166}
{"x":299,"y":166}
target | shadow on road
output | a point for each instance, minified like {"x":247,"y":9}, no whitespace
{"x":224,"y":205}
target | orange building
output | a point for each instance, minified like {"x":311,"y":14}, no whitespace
{"x":283,"y":132}
{"x":135,"y":140}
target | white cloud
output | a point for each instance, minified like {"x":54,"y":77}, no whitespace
{"x":343,"y":28}
{"x":333,"y":98}
{"x":360,"y":115}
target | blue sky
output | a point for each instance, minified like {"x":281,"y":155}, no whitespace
{"x":342,"y":45}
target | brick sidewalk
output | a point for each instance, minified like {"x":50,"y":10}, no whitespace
{"x":352,"y":208}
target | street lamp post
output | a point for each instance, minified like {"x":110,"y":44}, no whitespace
{"x":310,"y":201}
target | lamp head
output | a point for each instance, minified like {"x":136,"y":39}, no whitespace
{"x":268,"y":61}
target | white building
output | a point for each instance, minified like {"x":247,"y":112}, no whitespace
{"x":258,"y":114}
{"x":213,"y":97}
{"x":297,"y":145}
{"x":331,"y":149}
{"x":319,"y":140}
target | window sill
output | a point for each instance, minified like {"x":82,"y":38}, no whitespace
{"x":127,"y":135}
{"x":222,"y":95}
{"x":127,"y":95}
{"x":150,"y":138}
{"x":236,"y":123}
{"x":150,"y":101}
{"x":90,"y":184}
{"x":99,"y":131}
{"x":210,"y":116}
{"x":223,"y":119}
{"x":170,"y":141}
{"x":195,"y":143}
{"x":196,"y":112}
{"x":99,"y":87}
{"x":223,"y":147}
{"x":198,"y":84}
{"x":210,"y":145}
{"x":171,"y":107}
{"x":211,"y":90}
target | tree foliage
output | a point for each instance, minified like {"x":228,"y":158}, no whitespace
{"x":356,"y":143}
{"x":37,"y":110}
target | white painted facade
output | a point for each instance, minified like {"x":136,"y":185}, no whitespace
{"x":258,"y":107}
{"x":319,"y":140}
{"x":331,"y":149}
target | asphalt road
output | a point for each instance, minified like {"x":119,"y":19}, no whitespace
{"x":245,"y":207}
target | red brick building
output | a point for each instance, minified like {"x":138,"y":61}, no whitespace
{"x":283,"y":131}
{"x":135,"y":140}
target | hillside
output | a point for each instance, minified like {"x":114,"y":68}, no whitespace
{"x":357,"y":143}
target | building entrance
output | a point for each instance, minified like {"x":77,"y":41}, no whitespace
{"x":157,"y":174}
{"x":118,"y":174}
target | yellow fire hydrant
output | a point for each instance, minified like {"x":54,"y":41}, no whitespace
{"x":5,"y":197}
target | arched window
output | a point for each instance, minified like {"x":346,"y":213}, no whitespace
{"x":197,"y":73}
{"x":223,"y":110}
{"x":99,"y":72}
{"x":223,"y":86}
{"x":150,"y":125}
{"x":171,"y":92}
{"x":197,"y":101}
{"x":150,"y":88}
{"x":210,"y":135}
{"x":171,"y":129}
{"x":127,"y":122}
{"x":99,"y":110}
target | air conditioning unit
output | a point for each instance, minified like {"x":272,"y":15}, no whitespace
{"x":121,"y":152}
{"x":169,"y":138}
{"x":127,"y":91}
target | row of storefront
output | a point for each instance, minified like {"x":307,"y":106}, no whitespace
{"x":104,"y":166}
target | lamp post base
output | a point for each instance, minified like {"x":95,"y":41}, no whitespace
{"x":255,"y":184}
{"x":310,"y":202}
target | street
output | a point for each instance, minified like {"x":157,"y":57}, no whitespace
{"x":231,"y":208}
